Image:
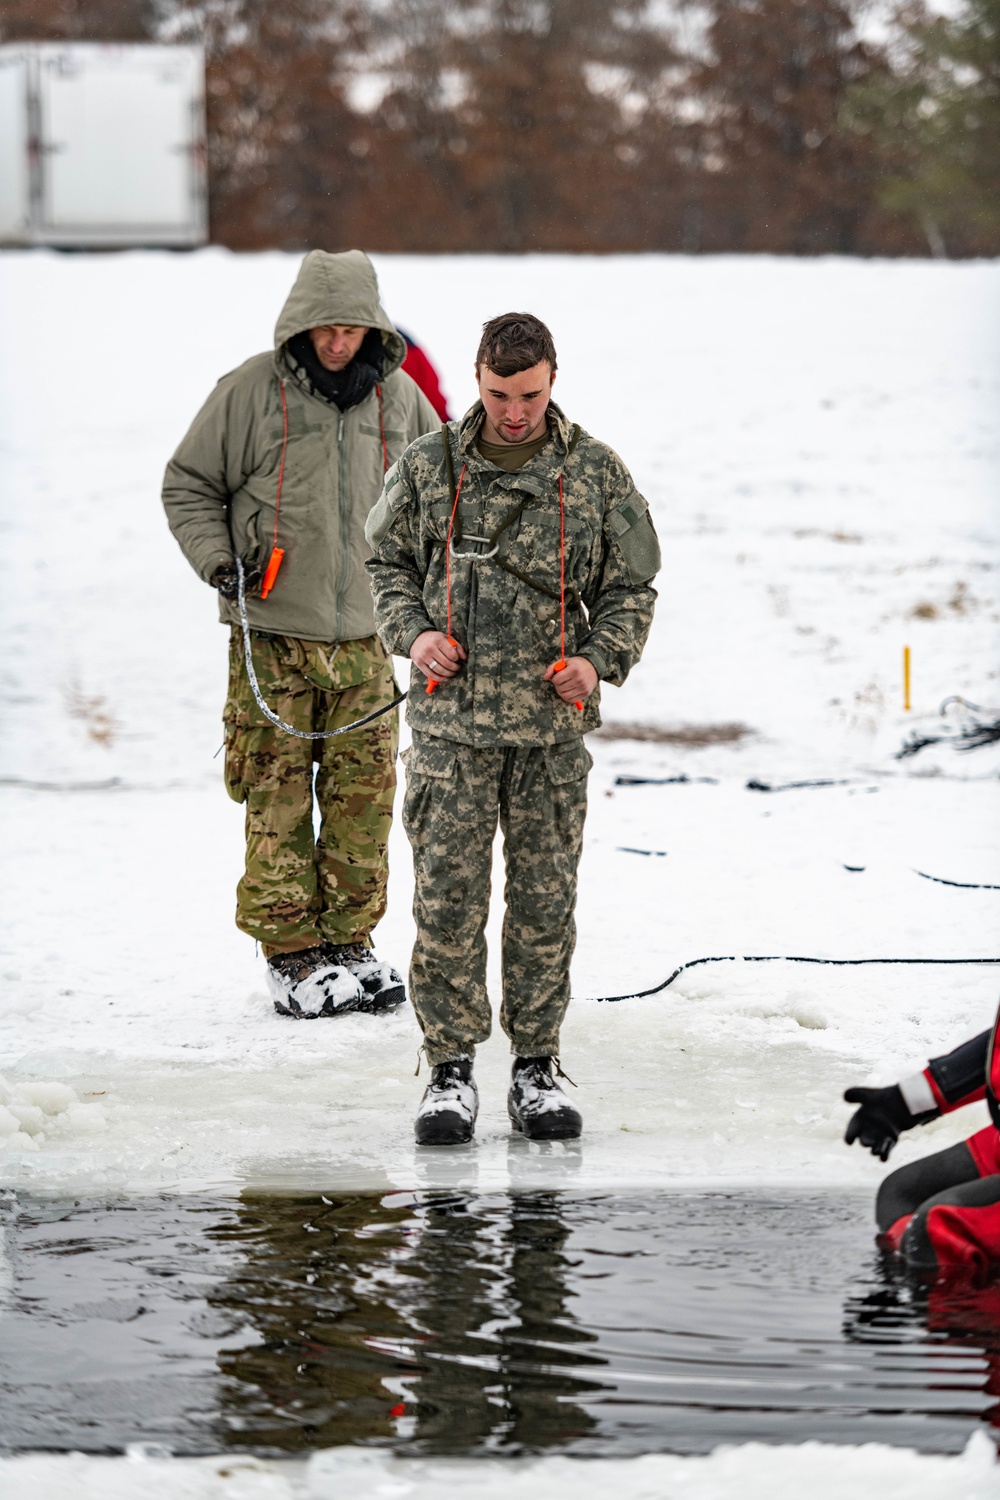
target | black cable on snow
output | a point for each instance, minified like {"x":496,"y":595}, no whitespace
{"x":300,"y":734}
{"x":791,"y":786}
{"x":969,"y":736}
{"x":779,"y":958}
{"x":665,"y":781}
{"x":963,"y":885}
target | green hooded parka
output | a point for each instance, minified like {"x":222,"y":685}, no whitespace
{"x":221,"y":485}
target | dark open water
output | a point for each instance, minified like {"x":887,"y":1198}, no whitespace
{"x":466,"y":1324}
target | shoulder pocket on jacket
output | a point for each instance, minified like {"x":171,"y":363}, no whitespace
{"x":569,"y":761}
{"x":385,"y":510}
{"x":632,"y":528}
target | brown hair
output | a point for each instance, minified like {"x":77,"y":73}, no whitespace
{"x":515,"y":342}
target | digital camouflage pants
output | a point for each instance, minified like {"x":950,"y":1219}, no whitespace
{"x":455,"y":795}
{"x":299,"y":888}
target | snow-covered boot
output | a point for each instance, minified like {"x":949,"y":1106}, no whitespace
{"x":306,"y":985}
{"x":383,"y":987}
{"x":537,"y":1105}
{"x":447,"y":1113}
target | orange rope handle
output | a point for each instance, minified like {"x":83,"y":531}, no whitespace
{"x":381,"y":423}
{"x":433,"y":682}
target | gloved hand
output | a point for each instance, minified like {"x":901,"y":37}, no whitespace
{"x":226,"y":580}
{"x":879,"y":1121}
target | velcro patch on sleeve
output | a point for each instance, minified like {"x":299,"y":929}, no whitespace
{"x":632,"y":528}
{"x":391,"y":501}
{"x":625,"y":516}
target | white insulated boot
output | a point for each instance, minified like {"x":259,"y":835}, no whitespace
{"x":447,"y":1113}
{"x":306,"y":985}
{"x":537,"y":1105}
{"x":383,"y":986}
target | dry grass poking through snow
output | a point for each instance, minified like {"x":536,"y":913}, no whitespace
{"x":693,"y":736}
{"x":93,"y":712}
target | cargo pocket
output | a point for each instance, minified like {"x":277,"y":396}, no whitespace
{"x":570,"y":761}
{"x":429,"y":757}
{"x":234,"y":771}
{"x":430,"y":766}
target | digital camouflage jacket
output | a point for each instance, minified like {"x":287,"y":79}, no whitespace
{"x":505,"y":608}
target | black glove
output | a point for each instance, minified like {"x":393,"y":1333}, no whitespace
{"x":883,"y":1114}
{"x":226,"y":579}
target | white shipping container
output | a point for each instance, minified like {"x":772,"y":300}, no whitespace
{"x":102,"y":145}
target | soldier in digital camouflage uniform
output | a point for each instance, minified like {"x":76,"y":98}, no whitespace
{"x":290,"y":451}
{"x":501,"y":736}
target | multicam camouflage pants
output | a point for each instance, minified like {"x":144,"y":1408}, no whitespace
{"x":299,"y":889}
{"x":454,"y":797}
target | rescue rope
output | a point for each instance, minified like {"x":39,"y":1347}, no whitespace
{"x":434,"y":682}
{"x":300,"y":734}
{"x":277,"y":553}
{"x":381,"y":425}
{"x":779,"y":958}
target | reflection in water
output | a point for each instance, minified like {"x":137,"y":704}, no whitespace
{"x":449,"y":1321}
{"x":415,"y":1319}
{"x":960,"y":1313}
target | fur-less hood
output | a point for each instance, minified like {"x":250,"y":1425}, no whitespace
{"x":339,"y":288}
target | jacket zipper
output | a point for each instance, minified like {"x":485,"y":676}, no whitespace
{"x":341,"y":518}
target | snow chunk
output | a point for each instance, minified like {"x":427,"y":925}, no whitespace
{"x":753,"y":1471}
{"x":51,"y":1097}
{"x":33,"y":1110}
{"x":86,"y":1119}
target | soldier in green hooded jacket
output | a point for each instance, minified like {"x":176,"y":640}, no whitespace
{"x":280,"y":469}
{"x":513,"y":559}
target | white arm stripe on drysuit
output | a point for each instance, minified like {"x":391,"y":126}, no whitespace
{"x":918,"y":1096}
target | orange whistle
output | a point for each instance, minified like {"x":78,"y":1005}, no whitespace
{"x":560,"y":666}
{"x":273,"y":564}
{"x":433,"y":682}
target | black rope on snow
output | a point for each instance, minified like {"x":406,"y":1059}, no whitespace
{"x":779,"y":958}
{"x":963,"y":885}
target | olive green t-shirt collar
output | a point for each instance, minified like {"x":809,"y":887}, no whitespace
{"x":511,"y":456}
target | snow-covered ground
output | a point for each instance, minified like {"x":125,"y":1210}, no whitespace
{"x":818,"y":443}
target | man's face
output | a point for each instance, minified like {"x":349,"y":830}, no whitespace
{"x":336,"y":344}
{"x":515,"y":404}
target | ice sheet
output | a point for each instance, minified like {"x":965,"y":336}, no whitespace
{"x":816,"y":442}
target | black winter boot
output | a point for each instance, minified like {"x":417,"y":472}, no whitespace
{"x":537,"y":1105}
{"x":447,"y":1113}
{"x":383,"y":987}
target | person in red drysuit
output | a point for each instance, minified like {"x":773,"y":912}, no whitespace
{"x":422,"y":372}
{"x":941,"y":1213}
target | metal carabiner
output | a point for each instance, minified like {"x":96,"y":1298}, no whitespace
{"x":474,"y":556}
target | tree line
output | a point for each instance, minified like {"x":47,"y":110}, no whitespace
{"x":785,"y":126}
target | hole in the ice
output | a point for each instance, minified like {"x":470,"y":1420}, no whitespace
{"x":463,"y":1323}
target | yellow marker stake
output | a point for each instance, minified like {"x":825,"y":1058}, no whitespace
{"x":906,"y":678}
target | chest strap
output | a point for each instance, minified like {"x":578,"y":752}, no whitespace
{"x":512,"y":516}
